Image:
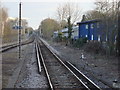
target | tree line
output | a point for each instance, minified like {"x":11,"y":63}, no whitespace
{"x":66,"y":16}
{"x":3,"y":19}
{"x":7,"y":32}
{"x":69,"y":13}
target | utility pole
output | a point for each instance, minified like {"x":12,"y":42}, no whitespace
{"x":20,"y":30}
{"x":118,"y":41}
{"x":118,"y":36}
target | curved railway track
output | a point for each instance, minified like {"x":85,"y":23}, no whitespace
{"x":8,"y":47}
{"x":61,"y":75}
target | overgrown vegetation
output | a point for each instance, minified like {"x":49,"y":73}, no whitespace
{"x":95,"y":47}
{"x":3,"y":18}
{"x":7,"y":33}
{"x":79,"y":42}
{"x":107,"y":12}
{"x":89,"y":46}
{"x":58,"y":38}
{"x":48,"y":26}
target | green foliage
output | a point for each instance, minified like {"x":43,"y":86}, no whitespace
{"x":26,"y":31}
{"x":60,"y":34}
{"x":64,"y":39}
{"x":30,"y":32}
{"x":59,"y":37}
{"x":48,"y":26}
{"x":69,"y":27}
{"x":79,"y":42}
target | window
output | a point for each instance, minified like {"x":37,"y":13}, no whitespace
{"x":98,"y":37}
{"x":92,"y":26}
{"x":92,"y":37}
{"x":86,"y":26}
{"x":106,"y":38}
{"x":98,"y":25}
{"x":115,"y":38}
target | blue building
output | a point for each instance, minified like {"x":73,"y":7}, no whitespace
{"x":90,"y":29}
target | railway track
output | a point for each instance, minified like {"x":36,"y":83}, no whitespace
{"x":8,"y":47}
{"x":61,"y":75}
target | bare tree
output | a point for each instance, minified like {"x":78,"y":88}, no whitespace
{"x":68,"y":9}
{"x":3,"y":18}
{"x":106,"y":10}
{"x":93,"y":14}
{"x":0,"y":16}
{"x":70,"y":12}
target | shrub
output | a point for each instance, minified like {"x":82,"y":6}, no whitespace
{"x":95,"y":47}
{"x":79,"y":42}
{"x":59,"y":37}
{"x":64,"y":39}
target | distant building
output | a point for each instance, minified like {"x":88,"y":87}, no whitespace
{"x":65,"y":32}
{"x":55,"y":34}
{"x":75,"y":32}
{"x":92,"y":30}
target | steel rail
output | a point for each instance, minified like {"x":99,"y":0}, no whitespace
{"x":8,"y":45}
{"x":45,"y":68}
{"x":80,"y":73}
{"x":67,"y":67}
{"x":38,"y":57}
{"x":83,"y":83}
{"x":14,"y":45}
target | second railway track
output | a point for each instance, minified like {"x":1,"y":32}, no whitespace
{"x":59,"y":74}
{"x":8,"y":47}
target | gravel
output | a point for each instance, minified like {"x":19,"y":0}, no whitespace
{"x":9,"y":63}
{"x":94,"y":66}
{"x":22,"y":73}
{"x":100,"y":67}
{"x":29,"y":76}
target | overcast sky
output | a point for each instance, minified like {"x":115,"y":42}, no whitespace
{"x":37,"y":10}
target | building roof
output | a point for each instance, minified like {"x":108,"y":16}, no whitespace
{"x":55,"y":31}
{"x":65,"y":30}
{"x":90,"y":21}
{"x":74,"y":28}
